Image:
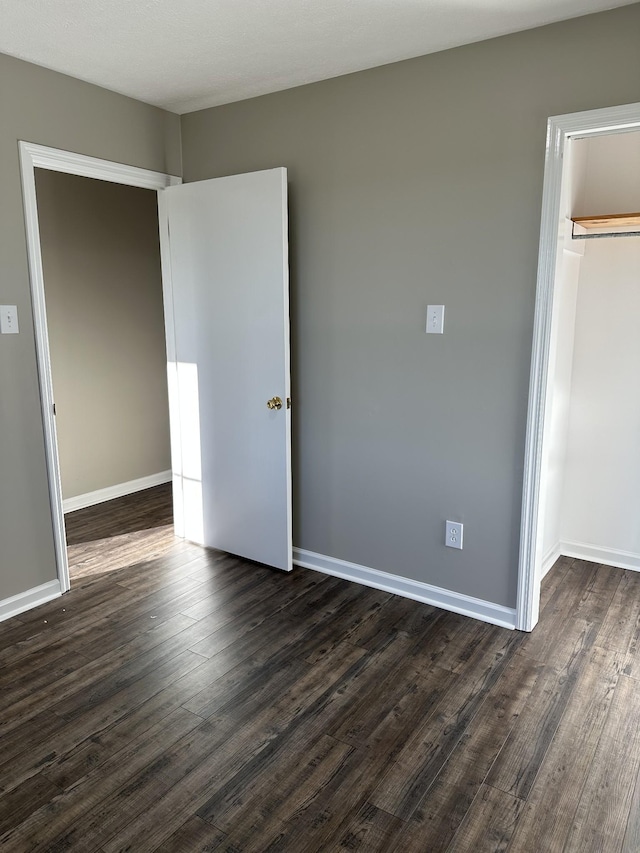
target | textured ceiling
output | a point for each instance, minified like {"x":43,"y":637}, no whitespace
{"x":188,"y":54}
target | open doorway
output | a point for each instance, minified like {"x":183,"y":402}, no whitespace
{"x":34,"y":157}
{"x":224,"y":251}
{"x":102,"y":277}
{"x":577,"y":343}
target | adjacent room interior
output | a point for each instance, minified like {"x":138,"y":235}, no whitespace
{"x":103,"y":289}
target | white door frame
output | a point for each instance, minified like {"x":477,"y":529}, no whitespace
{"x":40,"y":156}
{"x":559,"y":130}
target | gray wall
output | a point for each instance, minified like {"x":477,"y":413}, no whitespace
{"x":103,"y":286}
{"x":417,"y":183}
{"x":48,"y":108}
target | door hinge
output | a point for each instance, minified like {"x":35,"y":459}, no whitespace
{"x":54,"y":410}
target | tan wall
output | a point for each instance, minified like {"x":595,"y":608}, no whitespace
{"x":48,"y":108}
{"x":413,"y":184}
{"x":103,"y":287}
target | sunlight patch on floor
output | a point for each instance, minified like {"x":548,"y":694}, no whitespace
{"x":103,"y":556}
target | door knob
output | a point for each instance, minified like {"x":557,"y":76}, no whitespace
{"x":274,"y":403}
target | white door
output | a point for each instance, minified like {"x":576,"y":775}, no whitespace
{"x":225,"y":268}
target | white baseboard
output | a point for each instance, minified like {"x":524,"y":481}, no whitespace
{"x":549,"y":559}
{"x":606,"y":556}
{"x":117,"y":491}
{"x":31,"y":598}
{"x":477,"y":608}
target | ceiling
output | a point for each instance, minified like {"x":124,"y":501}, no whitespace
{"x":185,"y":55}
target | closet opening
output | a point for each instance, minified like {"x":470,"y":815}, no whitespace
{"x":581,"y":497}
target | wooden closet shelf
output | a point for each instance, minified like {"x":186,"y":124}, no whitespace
{"x":618,"y":220}
{"x":606,"y":225}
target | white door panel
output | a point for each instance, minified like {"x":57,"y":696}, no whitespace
{"x":228,"y":355}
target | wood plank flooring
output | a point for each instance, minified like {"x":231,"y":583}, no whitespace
{"x":180,"y":700}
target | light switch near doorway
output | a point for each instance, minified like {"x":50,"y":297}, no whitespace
{"x":435,"y":319}
{"x":9,"y":320}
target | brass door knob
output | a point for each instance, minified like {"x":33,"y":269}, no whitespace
{"x":274,"y":403}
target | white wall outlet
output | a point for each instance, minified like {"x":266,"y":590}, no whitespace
{"x":8,"y":320}
{"x":453,"y":535}
{"x":435,"y":319}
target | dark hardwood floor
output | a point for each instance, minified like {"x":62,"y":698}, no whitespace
{"x":180,"y":700}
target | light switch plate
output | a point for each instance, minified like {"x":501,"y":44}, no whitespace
{"x":9,"y":320}
{"x":435,"y":319}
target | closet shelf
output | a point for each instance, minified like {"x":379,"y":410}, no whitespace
{"x":606,"y":225}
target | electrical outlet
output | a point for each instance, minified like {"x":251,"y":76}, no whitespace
{"x":453,"y":535}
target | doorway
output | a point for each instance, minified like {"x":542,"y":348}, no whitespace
{"x":225,"y":281}
{"x":34,"y":157}
{"x":556,"y":237}
{"x":100,"y":252}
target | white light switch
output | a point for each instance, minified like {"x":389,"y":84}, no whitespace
{"x":435,"y":319}
{"x":9,"y":320}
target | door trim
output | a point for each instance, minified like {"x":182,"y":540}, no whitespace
{"x":34,"y":156}
{"x":559,"y":130}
